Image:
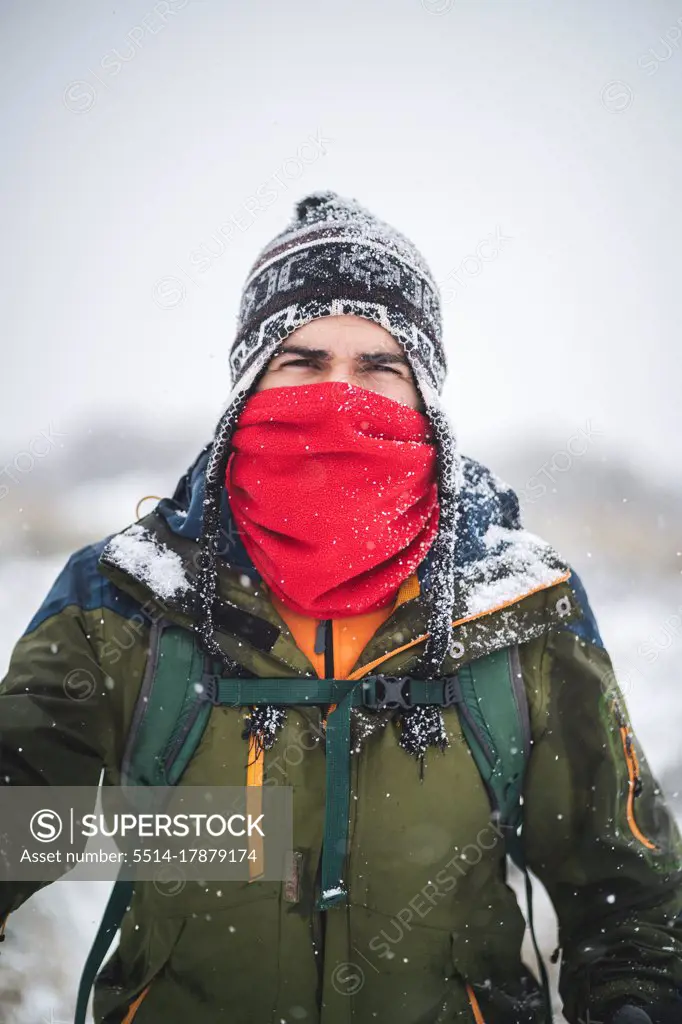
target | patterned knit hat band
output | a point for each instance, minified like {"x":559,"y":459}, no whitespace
{"x":337,"y":258}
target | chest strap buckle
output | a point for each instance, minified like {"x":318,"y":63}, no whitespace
{"x":384,"y":692}
{"x":210,"y":691}
{"x":452,"y":691}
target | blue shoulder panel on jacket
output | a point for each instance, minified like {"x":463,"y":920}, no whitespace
{"x":81,"y":583}
{"x":586,"y":627}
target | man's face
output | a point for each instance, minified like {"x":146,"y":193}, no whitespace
{"x":344,"y":348}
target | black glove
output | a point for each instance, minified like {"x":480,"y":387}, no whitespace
{"x":668,"y":1012}
{"x":630,"y":1015}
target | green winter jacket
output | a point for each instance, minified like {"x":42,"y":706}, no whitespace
{"x":431,"y":920}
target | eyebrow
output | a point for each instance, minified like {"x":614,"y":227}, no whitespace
{"x":324,"y":354}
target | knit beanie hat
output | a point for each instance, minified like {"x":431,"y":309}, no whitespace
{"x":335,"y":257}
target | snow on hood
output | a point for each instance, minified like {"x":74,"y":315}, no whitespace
{"x":497,"y":560}
{"x":136,"y":551}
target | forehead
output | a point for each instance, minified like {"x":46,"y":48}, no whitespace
{"x":343,"y":335}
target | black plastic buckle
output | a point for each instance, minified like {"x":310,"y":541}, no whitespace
{"x":387,"y":692}
{"x":452,"y":691}
{"x":209,"y":692}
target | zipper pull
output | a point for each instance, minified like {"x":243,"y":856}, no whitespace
{"x":320,"y":639}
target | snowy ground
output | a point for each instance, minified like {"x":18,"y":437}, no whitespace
{"x":49,"y":937}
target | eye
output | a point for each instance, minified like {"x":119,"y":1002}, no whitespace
{"x":297,"y":362}
{"x":382,"y":366}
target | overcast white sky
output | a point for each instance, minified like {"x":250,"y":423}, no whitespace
{"x":133,"y":130}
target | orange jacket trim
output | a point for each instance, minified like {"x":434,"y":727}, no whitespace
{"x":134,"y":1006}
{"x":254,"y":806}
{"x":458,"y":622}
{"x":476,"y":1009}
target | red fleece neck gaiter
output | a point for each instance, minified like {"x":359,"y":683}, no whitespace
{"x":333,"y":489}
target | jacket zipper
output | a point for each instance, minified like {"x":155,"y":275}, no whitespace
{"x":323,"y":645}
{"x":329,"y":651}
{"x":634,"y":785}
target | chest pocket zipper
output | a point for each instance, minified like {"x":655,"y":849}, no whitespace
{"x":634,"y":778}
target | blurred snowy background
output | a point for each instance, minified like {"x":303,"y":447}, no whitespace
{"x":531,"y":150}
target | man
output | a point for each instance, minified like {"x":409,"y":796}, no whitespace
{"x":332,"y":531}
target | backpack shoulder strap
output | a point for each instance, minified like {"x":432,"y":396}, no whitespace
{"x":170,"y":716}
{"x":114,"y":912}
{"x":168,"y":721}
{"x":496,"y":725}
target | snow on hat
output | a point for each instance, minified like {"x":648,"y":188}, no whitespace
{"x":335,"y":257}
